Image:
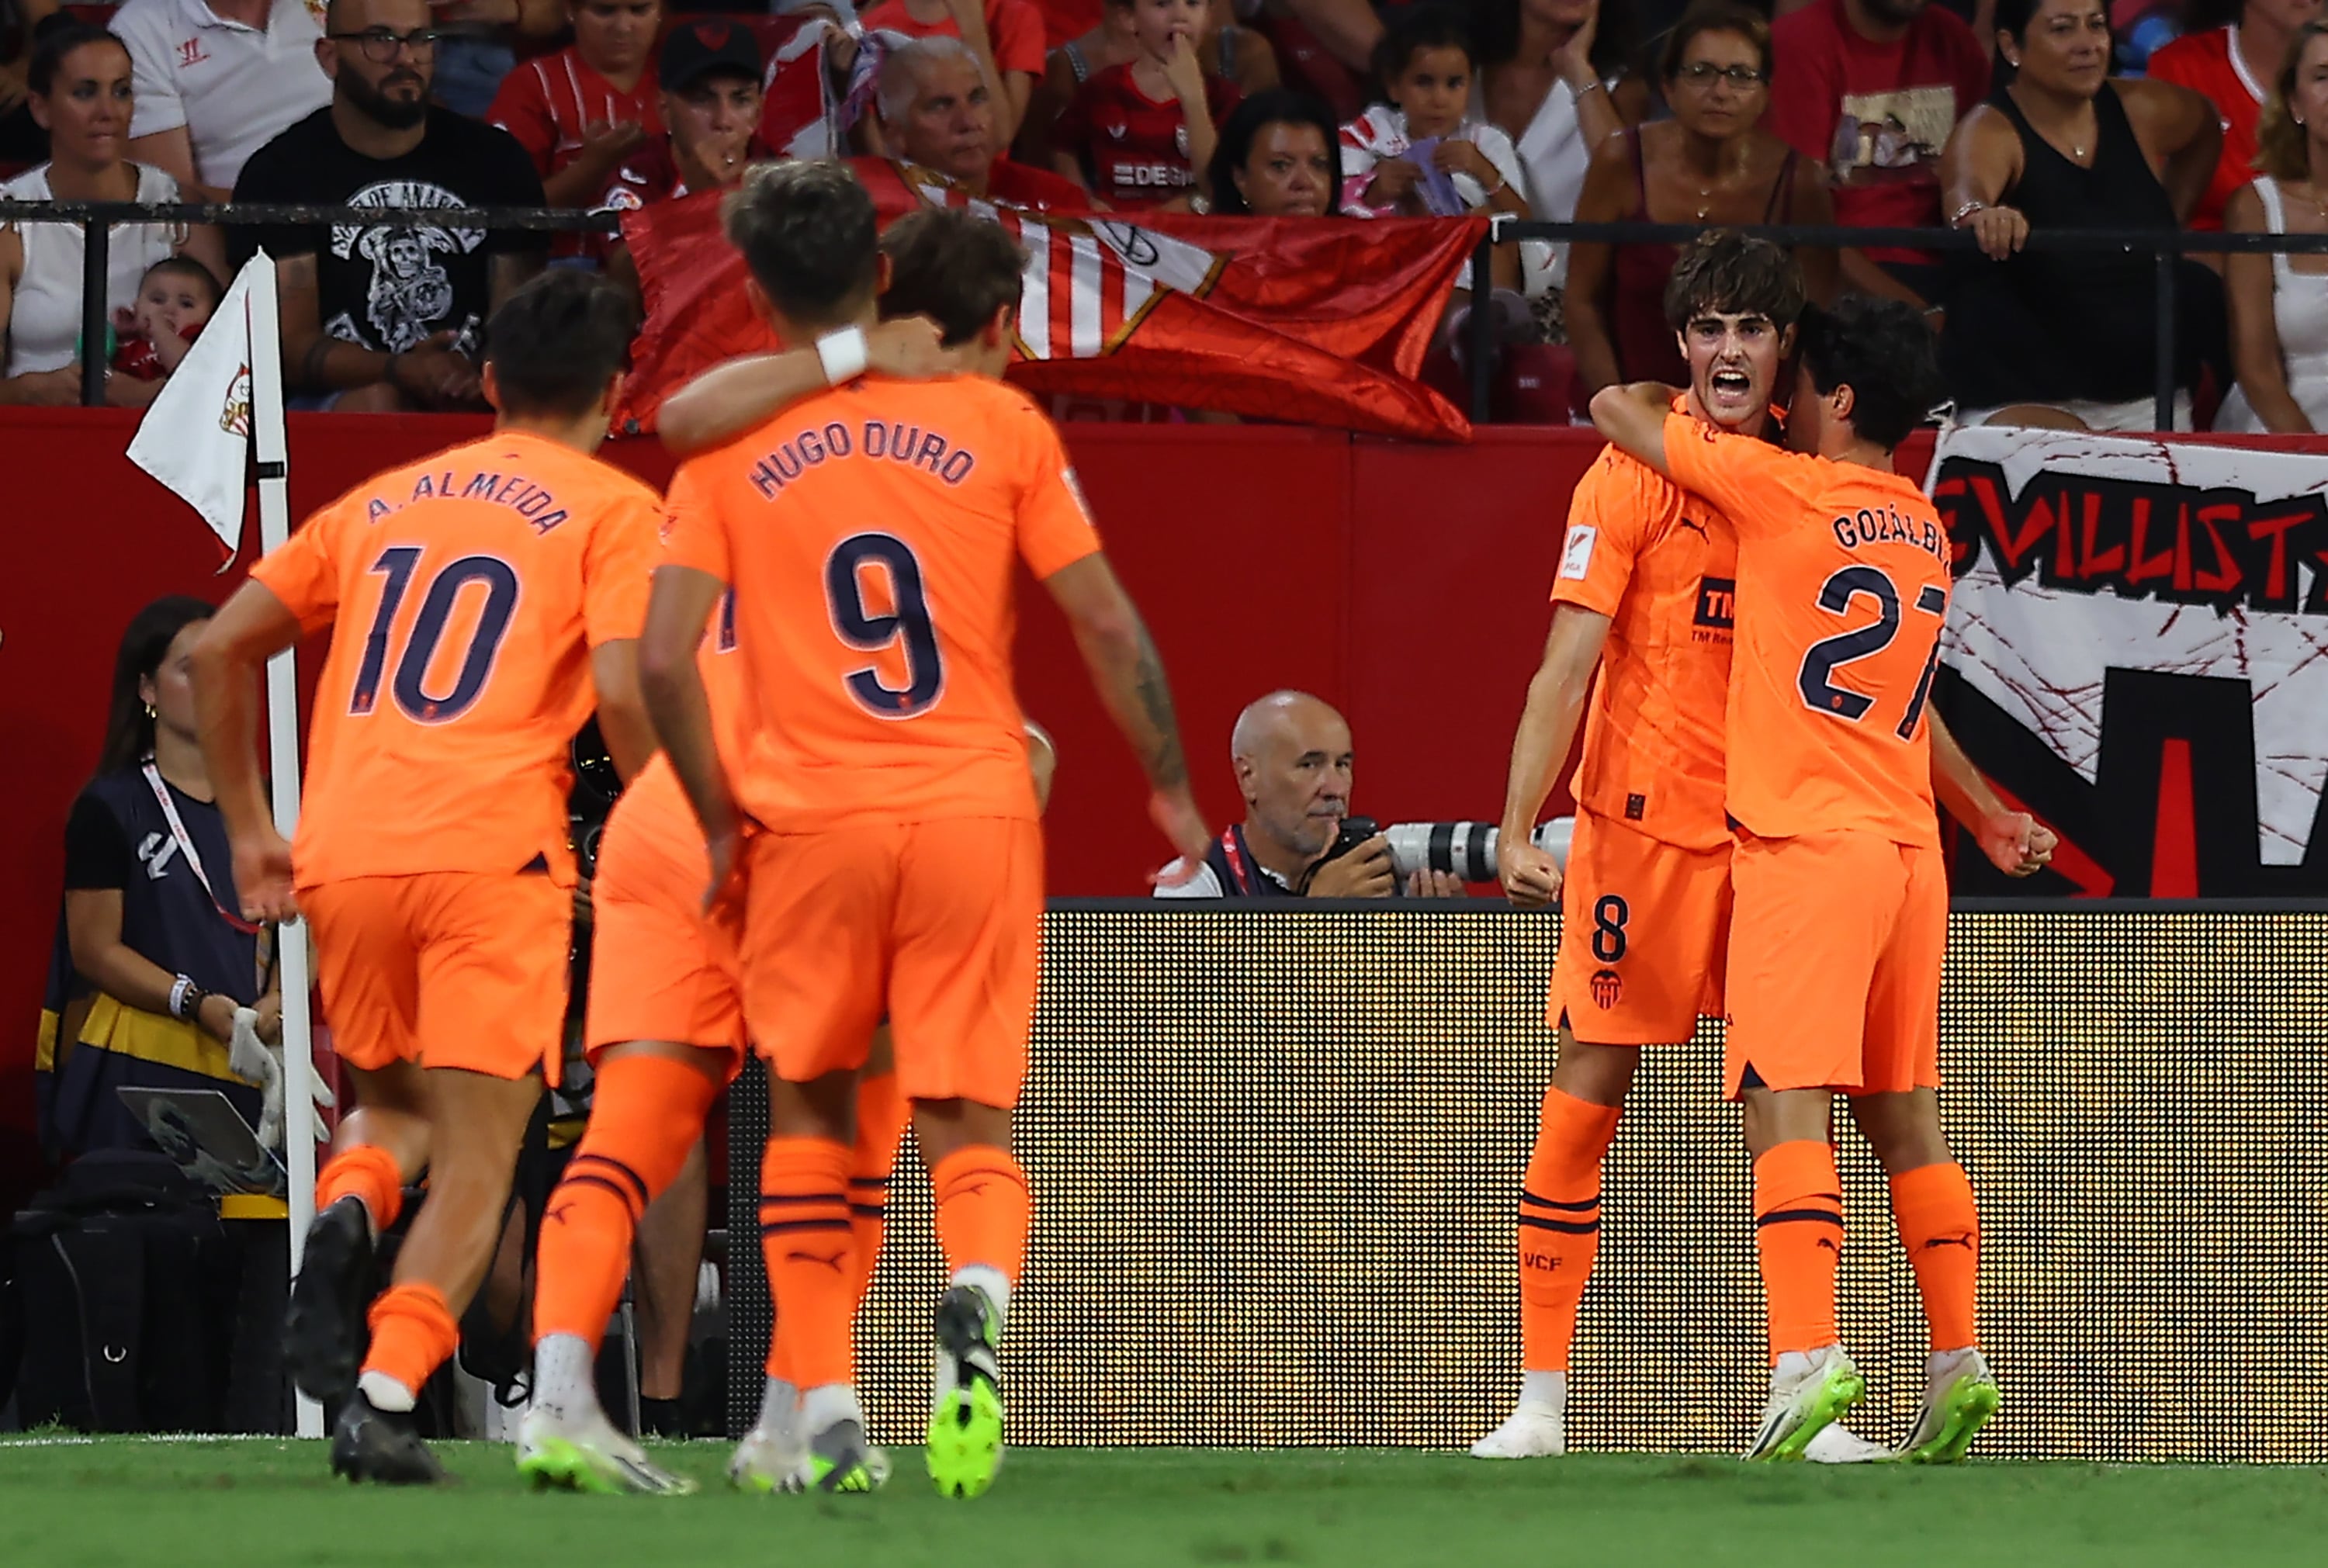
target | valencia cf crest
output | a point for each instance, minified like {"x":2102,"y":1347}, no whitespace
{"x":1607,"y":985}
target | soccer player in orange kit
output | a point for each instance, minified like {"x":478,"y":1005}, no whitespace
{"x":894,"y":861}
{"x":483,"y":594}
{"x":1640,"y":636}
{"x":665,"y":1027}
{"x":1841,"y":899}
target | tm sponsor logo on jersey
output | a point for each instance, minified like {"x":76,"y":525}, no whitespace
{"x":1717,"y":608}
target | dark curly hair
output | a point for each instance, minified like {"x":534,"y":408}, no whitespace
{"x":1724,"y":270}
{"x":1884,"y":351}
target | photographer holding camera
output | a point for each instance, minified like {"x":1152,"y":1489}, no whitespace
{"x":1294,"y":760}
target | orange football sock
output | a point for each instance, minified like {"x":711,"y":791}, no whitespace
{"x":984,"y":1210}
{"x":646,"y":1113}
{"x":805,"y":1238}
{"x":412,"y":1335}
{"x":881,"y":1112}
{"x":1940,"y":1226}
{"x":1560,"y":1224}
{"x":1798,"y":1233}
{"x":364,"y":1172}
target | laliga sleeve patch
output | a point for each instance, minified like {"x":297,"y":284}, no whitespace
{"x":1576,"y":555}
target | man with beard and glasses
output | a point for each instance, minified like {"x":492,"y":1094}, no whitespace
{"x":1644,"y":597}
{"x":1871,"y":89}
{"x":378,"y":318}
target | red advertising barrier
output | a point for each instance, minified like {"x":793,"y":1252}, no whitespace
{"x":1405,"y":584}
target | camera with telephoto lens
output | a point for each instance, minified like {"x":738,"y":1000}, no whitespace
{"x":1465,"y":850}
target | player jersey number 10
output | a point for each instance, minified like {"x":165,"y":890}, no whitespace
{"x":1824,"y":658}
{"x":906,"y":626}
{"x":409,"y":687}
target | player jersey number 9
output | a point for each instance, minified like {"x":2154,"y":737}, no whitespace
{"x":906,"y":626}
{"x":410,"y":685}
{"x":1823,"y":658}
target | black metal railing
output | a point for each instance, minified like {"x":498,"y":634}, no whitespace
{"x":2164,"y":248}
{"x":95,"y":218}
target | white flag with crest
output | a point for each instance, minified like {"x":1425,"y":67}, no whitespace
{"x":195,"y":438}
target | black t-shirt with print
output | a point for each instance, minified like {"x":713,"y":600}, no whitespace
{"x":387,"y":288}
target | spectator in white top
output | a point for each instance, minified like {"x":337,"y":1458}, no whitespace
{"x":1422,"y":154}
{"x":218,"y":80}
{"x":1294,"y":763}
{"x":78,"y":81}
{"x":1553,"y":78}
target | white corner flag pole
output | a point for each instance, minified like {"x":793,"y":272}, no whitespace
{"x":271,"y":452}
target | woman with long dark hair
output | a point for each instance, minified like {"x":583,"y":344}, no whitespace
{"x":79,"y":87}
{"x":151,"y":968}
{"x":2067,"y":337}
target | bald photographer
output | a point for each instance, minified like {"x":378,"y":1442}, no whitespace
{"x":1294,"y":760}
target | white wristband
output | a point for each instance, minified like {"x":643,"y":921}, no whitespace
{"x":843,"y":354}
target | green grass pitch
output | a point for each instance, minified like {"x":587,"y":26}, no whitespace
{"x":115,"y":1501}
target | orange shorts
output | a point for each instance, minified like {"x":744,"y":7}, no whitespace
{"x":1835,"y":964}
{"x":444,"y":969}
{"x":937,"y":924}
{"x":658,"y":971}
{"x":1643,"y":926}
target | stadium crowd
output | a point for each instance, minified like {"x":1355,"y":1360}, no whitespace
{"x":1997,"y":116}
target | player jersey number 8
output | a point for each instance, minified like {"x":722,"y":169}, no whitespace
{"x":906,"y":626}
{"x":1816,"y":680}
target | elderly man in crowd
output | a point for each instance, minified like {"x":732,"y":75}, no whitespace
{"x":1294,"y":760}
{"x":938,"y":113}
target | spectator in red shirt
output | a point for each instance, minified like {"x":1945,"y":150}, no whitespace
{"x":578,"y":113}
{"x":937,"y":113}
{"x":1138,"y":135}
{"x":2232,"y":66}
{"x":1873,"y":89}
{"x":1007,"y":35}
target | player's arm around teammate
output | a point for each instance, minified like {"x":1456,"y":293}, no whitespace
{"x":1842,"y":904}
{"x":1639,"y":642}
{"x":847,"y":869}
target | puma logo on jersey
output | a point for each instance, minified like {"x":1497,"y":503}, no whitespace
{"x":155,"y":853}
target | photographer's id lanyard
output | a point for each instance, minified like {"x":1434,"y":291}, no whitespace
{"x":1232,"y":851}
{"x":186,"y":847}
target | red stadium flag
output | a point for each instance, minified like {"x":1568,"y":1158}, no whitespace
{"x":1310,"y":320}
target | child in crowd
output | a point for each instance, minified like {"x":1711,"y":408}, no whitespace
{"x":1138,"y":135}
{"x":1422,"y":155}
{"x":175,"y":299}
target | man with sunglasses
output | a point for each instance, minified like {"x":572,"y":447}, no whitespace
{"x":389,"y":317}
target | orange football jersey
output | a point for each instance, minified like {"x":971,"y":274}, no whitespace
{"x":467,"y":590}
{"x":1661,"y":564}
{"x":1843,"y":589}
{"x":870,"y":535}
{"x":654,"y":804}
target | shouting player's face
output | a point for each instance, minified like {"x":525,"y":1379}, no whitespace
{"x":1733,"y":365}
